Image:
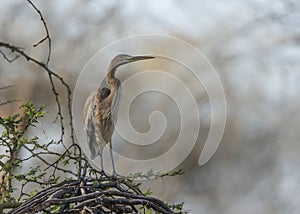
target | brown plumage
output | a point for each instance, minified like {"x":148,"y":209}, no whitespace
{"x":101,"y":108}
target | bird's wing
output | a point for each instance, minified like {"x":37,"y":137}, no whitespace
{"x":88,"y":117}
{"x":115,"y":104}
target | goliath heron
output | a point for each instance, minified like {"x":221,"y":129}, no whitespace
{"x":101,"y":108}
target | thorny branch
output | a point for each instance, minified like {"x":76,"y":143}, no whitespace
{"x":51,"y":74}
{"x":47,"y":37}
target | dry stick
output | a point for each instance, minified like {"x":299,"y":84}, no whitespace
{"x":42,"y":196}
{"x":109,"y":198}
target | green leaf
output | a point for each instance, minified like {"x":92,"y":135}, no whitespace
{"x":148,"y":192}
{"x":20,"y":177}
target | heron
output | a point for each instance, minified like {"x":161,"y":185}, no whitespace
{"x":101,"y":109}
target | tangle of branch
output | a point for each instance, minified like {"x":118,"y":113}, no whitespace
{"x":87,"y":195}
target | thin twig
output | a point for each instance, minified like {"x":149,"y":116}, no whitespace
{"x":9,"y":101}
{"x":6,"y":87}
{"x":50,"y":73}
{"x":47,"y":37}
{"x":7,"y":59}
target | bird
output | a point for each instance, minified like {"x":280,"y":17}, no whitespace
{"x":101,"y":109}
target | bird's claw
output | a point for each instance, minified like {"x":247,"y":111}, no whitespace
{"x":102,"y":173}
{"x":116,"y":176}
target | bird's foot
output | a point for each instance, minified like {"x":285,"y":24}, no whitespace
{"x":116,"y":176}
{"x":102,"y":173}
{"x":118,"y":179}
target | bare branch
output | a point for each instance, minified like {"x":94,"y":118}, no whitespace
{"x":56,"y":94}
{"x":7,"y":59}
{"x":47,"y":37}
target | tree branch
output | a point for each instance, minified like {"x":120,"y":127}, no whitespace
{"x":47,"y":37}
{"x":109,"y":196}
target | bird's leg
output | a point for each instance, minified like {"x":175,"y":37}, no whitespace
{"x":115,"y":174}
{"x":112,"y":159}
{"x":101,"y":162}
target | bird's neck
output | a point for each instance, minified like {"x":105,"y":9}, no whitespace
{"x":111,"y":79}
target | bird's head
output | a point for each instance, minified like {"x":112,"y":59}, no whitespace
{"x":122,"y":59}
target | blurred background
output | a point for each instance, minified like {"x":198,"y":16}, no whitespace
{"x":254,"y":46}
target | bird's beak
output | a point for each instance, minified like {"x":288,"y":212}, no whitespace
{"x":137,"y":58}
